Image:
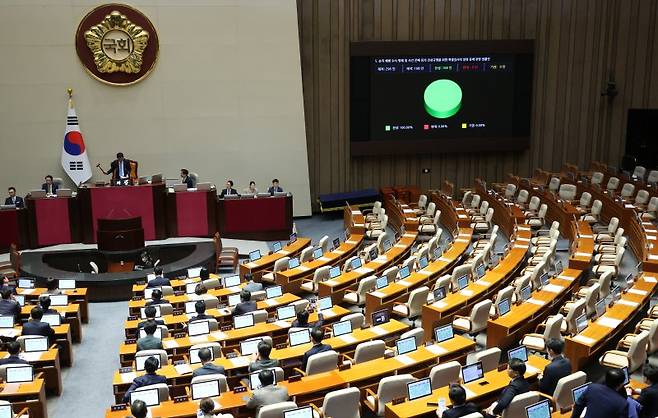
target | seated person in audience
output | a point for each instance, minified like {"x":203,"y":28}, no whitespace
{"x":9,"y":306}
{"x":204,"y":274}
{"x":13,"y":199}
{"x":156,"y":298}
{"x":150,"y":378}
{"x":5,"y":285}
{"x":13,"y":348}
{"x":206,"y":408}
{"x":50,"y":187}
{"x":649,"y":395}
{"x":229,"y":190}
{"x":245,"y":305}
{"x":460,"y":408}
{"x":185,"y":178}
{"x":268,"y":394}
{"x":274,"y":188}
{"x":200,"y":308}
{"x":52,"y":287}
{"x":44,"y":302}
{"x":149,"y":341}
{"x":251,"y":189}
{"x":558,"y":368}
{"x":150,"y":313}
{"x":262,"y":358}
{"x":517,"y":386}
{"x":159,"y":280}
{"x":207,"y":365}
{"x":604,"y":400}
{"x":317,"y":334}
{"x":302,"y":320}
{"x":139,"y":409}
{"x":251,"y":285}
{"x":35,"y":327}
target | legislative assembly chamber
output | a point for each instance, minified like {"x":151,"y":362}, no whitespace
{"x":329,"y":209}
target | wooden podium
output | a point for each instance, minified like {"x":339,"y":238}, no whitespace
{"x":120,"y":235}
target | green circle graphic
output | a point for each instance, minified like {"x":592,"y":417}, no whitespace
{"x":443,"y":98}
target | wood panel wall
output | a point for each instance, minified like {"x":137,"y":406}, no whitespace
{"x":579,"y":45}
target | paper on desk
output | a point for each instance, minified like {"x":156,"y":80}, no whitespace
{"x":466,"y":292}
{"x":8,"y":332}
{"x":581,"y":254}
{"x":270,"y":302}
{"x":328,"y":313}
{"x":27,"y":291}
{"x":348,"y":338}
{"x":608,"y":322}
{"x":251,"y":265}
{"x":31,"y":357}
{"x":197,"y":339}
{"x":283,"y":252}
{"x":364,"y":270}
{"x":282,"y":324}
{"x":381,"y":259}
{"x":440,"y":304}
{"x":436,"y":349}
{"x":424,"y":272}
{"x":651,"y":237}
{"x":466,"y":240}
{"x":241,"y":361}
{"x":339,"y":252}
{"x":553,"y":288}
{"x":567,"y":278}
{"x":220,"y":335}
{"x":190,"y":316}
{"x":404,"y":283}
{"x":483,"y":283}
{"x":170,"y":344}
{"x":302,"y":268}
{"x":405,"y":359}
{"x":530,"y":369}
{"x":378,"y":294}
{"x":637,"y":292}
{"x":378,"y":330}
{"x":350,"y":241}
{"x":330,"y":282}
{"x":653,"y":257}
{"x":183,"y":368}
{"x":234,"y":289}
{"x":324,"y":259}
{"x":408,"y":210}
{"x":445,"y":259}
{"x":536,"y":302}
{"x":585,"y":236}
{"x":400,"y":246}
{"x":627,"y":302}
{"x":128,"y":377}
{"x":649,"y":279}
{"x":584,"y":340}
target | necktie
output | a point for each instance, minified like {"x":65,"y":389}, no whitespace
{"x":120,"y":168}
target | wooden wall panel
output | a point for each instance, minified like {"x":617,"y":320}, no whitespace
{"x":579,"y":43}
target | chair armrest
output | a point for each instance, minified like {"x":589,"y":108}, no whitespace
{"x":623,"y":344}
{"x":295,"y":369}
{"x":345,"y":356}
{"x":539,"y":329}
{"x":187,"y":391}
{"x":23,"y":412}
{"x":369,"y":392}
{"x":318,"y":410}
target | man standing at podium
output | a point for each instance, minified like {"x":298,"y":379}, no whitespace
{"x":120,"y":170}
{"x":13,"y":199}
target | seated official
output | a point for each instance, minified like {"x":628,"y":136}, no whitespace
{"x":150,"y":313}
{"x":263,"y":360}
{"x":207,"y":365}
{"x":251,"y":285}
{"x":44,"y":303}
{"x":9,"y":306}
{"x":275,"y":188}
{"x":159,"y":280}
{"x":251,"y":189}
{"x":185,"y":178}
{"x":518,"y":385}
{"x":13,"y":199}
{"x":150,"y":378}
{"x":302,"y":320}
{"x":604,"y":400}
{"x":14,"y":349}
{"x":200,"y":308}
{"x":206,"y":408}
{"x":317,"y":334}
{"x":649,"y":395}
{"x":149,"y":341}
{"x":35,"y":327}
{"x":268,"y":394}
{"x":459,"y":408}
{"x":52,"y":287}
{"x":156,"y":298}
{"x":139,"y":409}
{"x":229,"y":190}
{"x":246,"y":305}
{"x":50,"y":187}
{"x":558,"y":368}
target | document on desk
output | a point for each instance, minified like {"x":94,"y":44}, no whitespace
{"x":31,"y":357}
{"x":27,"y":291}
{"x":584,"y":255}
{"x":405,"y":359}
{"x":302,"y":268}
{"x":637,"y":292}
{"x":440,"y":304}
{"x":219,"y":335}
{"x":240,"y":361}
{"x":425,"y":272}
{"x":270,"y":302}
{"x":331,"y":283}
{"x":347,"y":338}
{"x":282,"y":324}
{"x":339,"y":252}
{"x":466,"y":292}
{"x":364,"y":270}
{"x":198,"y":339}
{"x":404,"y":283}
{"x":402,"y":246}
{"x":251,"y":265}
{"x":436,"y":349}
{"x":627,"y":303}
{"x":183,"y":368}
{"x":584,"y":340}
{"x":125,"y":377}
{"x":324,"y":259}
{"x":378,"y":294}
{"x":567,"y":278}
{"x":8,"y":333}
{"x":608,"y":322}
{"x":170,"y":344}
{"x":351,"y":242}
{"x":649,"y":279}
{"x":234,"y":289}
{"x":283,"y":252}
{"x":553,"y":288}
{"x":536,"y":302}
{"x":379,"y":330}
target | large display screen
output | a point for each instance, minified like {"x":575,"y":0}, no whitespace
{"x":418,"y":97}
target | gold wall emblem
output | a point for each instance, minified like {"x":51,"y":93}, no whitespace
{"x":117,"y":44}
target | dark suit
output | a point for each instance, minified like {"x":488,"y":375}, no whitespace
{"x":10,"y":307}
{"x":158,"y":282}
{"x":517,"y":386}
{"x":157,"y":321}
{"x":149,"y":342}
{"x":12,"y":360}
{"x":558,"y":368}
{"x":226,"y":191}
{"x":267,"y":396}
{"x":649,"y":401}
{"x":156,"y":302}
{"x":39,"y":328}
{"x":200,"y":317}
{"x":601,"y":402}
{"x":296,"y":324}
{"x":16,"y":200}
{"x":263,"y":364}
{"x":145,"y":380}
{"x":460,"y":411}
{"x":271,"y":190}
{"x":244,"y":307}
{"x":318,"y":348}
{"x":188,"y":181}
{"x":114,"y":169}
{"x":53,"y":188}
{"x":208,"y":368}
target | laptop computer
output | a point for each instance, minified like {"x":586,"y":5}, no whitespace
{"x":439,"y":293}
{"x":317,"y":253}
{"x":356,"y":263}
{"x":462,"y":281}
{"x":336,"y":243}
{"x":578,"y":391}
{"x":373,"y":254}
{"x":194,"y":355}
{"x":33,"y":345}
{"x":381,"y":282}
{"x":180,"y":187}
{"x":581,"y":323}
{"x":404,"y":272}
{"x":324,"y":303}
{"x":334,"y":272}
{"x":422,"y":262}
{"x":525,"y":293}
{"x":293,"y":263}
{"x":503,"y":307}
{"x":6,"y":321}
{"x":66,"y":284}
{"x":231,"y":281}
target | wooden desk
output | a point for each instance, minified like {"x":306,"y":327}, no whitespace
{"x":62,"y":338}
{"x":47,"y":363}
{"x":452,"y":213}
{"x":177,"y":284}
{"x":588,"y":344}
{"x":243,"y":218}
{"x":192,"y":213}
{"x":474,"y":392}
{"x":581,"y":259}
{"x":71,"y":315}
{"x":266,"y":262}
{"x":460,"y":303}
{"x":31,"y":395}
{"x":13,"y":229}
{"x":53,"y":220}
{"x":178,"y":302}
{"x":78,"y":296}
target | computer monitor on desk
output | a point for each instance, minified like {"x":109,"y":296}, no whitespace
{"x":472,"y":372}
